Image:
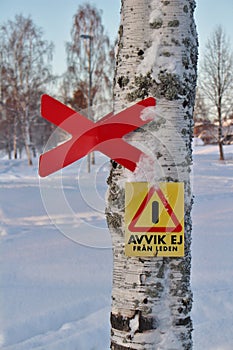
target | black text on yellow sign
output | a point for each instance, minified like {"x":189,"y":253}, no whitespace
{"x":154,"y":219}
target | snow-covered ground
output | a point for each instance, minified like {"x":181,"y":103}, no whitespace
{"x":212,"y":249}
{"x":56,"y":264}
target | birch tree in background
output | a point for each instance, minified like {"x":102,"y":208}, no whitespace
{"x":156,"y":56}
{"x":89,"y":60}
{"x":26,"y":72}
{"x":216,"y":78}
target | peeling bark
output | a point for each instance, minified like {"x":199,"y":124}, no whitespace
{"x":157,"y":56}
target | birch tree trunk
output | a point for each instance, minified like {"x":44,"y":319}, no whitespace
{"x":157,"y":56}
{"x":26,"y":137}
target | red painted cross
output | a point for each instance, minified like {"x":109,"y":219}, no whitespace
{"x":104,"y":136}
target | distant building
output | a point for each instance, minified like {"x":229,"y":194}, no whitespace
{"x":207,"y":131}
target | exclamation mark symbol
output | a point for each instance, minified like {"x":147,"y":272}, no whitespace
{"x":155,"y":212}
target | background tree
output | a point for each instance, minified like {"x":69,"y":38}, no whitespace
{"x":90,"y":60}
{"x":216,"y":78}
{"x":26,"y":72}
{"x":157,"y":56}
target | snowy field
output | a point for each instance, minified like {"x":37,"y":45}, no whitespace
{"x":56,"y":260}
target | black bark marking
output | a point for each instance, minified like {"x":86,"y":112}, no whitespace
{"x":156,"y":24}
{"x":115,"y":346}
{"x":184,"y":321}
{"x":174,"y":23}
{"x":146,"y":323}
{"x":140,"y":52}
{"x":121,"y":323}
{"x":123,"y":81}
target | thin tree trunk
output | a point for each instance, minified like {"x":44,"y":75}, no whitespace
{"x":15,"y":147}
{"x":28,"y":152}
{"x":219,"y":108}
{"x":9,"y":150}
{"x":220,"y":136}
{"x":15,"y":139}
{"x":27,"y":142}
{"x":8,"y":143}
{"x":157,"y":56}
{"x":221,"y":154}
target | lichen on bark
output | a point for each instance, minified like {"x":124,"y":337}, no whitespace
{"x":142,"y":86}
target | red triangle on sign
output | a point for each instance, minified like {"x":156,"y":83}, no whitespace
{"x":177,"y":225}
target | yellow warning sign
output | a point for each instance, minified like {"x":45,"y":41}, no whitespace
{"x":154,"y":219}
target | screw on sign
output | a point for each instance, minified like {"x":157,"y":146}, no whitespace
{"x":104,"y":136}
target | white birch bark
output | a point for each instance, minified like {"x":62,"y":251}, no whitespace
{"x":156,"y":56}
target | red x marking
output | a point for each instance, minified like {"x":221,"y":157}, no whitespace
{"x":104,"y":136}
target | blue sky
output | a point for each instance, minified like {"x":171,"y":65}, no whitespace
{"x":55,"y":17}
